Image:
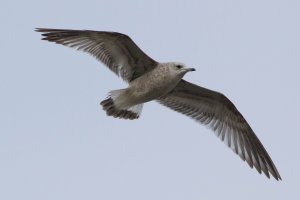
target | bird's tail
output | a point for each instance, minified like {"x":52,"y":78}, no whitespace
{"x":112,"y":106}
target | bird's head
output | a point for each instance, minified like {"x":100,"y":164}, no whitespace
{"x":180,"y":68}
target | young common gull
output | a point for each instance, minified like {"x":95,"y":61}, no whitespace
{"x":150,"y":80}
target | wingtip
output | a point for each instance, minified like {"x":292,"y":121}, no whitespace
{"x":278,"y":177}
{"x":38,"y":29}
{"x":46,"y":29}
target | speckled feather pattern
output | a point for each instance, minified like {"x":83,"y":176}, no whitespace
{"x":212,"y":109}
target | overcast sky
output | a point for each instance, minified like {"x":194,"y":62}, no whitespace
{"x":57,"y":143}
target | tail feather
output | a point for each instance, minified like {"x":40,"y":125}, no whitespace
{"x":112,"y":110}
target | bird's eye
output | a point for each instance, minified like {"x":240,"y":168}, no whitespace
{"x":178,"y":66}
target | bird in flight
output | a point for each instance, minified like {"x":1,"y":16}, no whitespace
{"x":151,"y":80}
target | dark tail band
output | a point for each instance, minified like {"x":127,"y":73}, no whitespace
{"x":109,"y":107}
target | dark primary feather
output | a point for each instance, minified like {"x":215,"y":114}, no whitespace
{"x":217,"y":112}
{"x":115,"y":50}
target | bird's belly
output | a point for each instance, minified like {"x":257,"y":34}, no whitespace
{"x":148,"y":90}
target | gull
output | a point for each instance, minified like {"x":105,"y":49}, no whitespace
{"x":151,"y":80}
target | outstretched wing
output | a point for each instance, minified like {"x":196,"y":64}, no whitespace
{"x":115,"y":50}
{"x":217,"y":112}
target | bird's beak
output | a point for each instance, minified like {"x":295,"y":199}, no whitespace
{"x":190,"y":69}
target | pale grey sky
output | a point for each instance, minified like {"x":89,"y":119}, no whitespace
{"x":57,"y":143}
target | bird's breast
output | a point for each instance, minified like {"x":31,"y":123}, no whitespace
{"x":152,"y":85}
